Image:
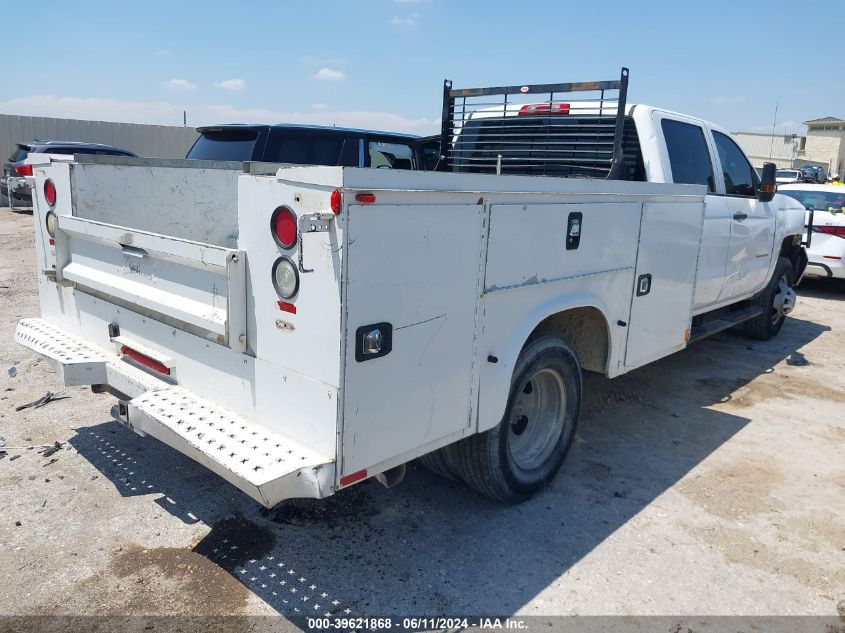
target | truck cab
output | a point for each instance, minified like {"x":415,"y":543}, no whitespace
{"x":743,"y":232}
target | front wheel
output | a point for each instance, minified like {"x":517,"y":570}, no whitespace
{"x":515,"y":459}
{"x":777,"y":300}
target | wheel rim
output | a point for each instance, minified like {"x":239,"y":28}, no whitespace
{"x":536,"y":420}
{"x":784,"y":300}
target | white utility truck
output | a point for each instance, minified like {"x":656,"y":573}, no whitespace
{"x":300,"y":329}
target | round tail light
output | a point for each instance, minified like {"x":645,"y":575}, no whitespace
{"x":283,"y":226}
{"x":50,"y":192}
{"x":51,"y":221}
{"x":285,"y":278}
{"x":336,"y":201}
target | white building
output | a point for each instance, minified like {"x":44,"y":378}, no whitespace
{"x":824,"y":145}
{"x":780,"y":149}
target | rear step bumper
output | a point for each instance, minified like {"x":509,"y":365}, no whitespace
{"x":267,"y":466}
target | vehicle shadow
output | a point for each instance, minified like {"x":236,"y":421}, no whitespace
{"x":432,"y":546}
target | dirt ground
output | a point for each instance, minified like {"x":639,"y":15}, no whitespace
{"x":711,"y":482}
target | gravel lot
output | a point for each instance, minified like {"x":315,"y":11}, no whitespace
{"x":711,"y":482}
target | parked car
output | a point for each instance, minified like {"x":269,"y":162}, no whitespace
{"x":308,"y":145}
{"x":826,"y":252}
{"x":16,"y":182}
{"x":788,"y":176}
{"x":813,"y":173}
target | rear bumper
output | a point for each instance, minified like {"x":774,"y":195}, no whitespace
{"x":264,"y":464}
{"x":829,"y":268}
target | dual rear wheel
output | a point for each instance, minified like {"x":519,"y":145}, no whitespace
{"x":520,"y":455}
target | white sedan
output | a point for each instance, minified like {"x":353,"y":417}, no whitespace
{"x":827,"y":248}
{"x":788,"y":176}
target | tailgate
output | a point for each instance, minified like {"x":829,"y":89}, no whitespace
{"x":196,"y":287}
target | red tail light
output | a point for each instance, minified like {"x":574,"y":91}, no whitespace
{"x":283,"y":225}
{"x":365,"y":198}
{"x":145,"y":360}
{"x":336,"y":201}
{"x":23,"y":170}
{"x":838,"y":231}
{"x":50,"y":192}
{"x":544,"y":109}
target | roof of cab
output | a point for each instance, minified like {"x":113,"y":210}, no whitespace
{"x":301,"y":126}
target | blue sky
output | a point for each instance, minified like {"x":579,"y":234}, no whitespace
{"x":381,"y":63}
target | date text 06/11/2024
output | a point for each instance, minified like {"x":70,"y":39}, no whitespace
{"x":414,"y":624}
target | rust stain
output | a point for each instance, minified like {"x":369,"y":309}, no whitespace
{"x":175,"y":580}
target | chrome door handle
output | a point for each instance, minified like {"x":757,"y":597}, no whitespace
{"x":133,"y":251}
{"x":740,"y":216}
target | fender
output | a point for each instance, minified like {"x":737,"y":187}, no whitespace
{"x":495,"y":378}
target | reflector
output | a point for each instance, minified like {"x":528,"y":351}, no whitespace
{"x":144,"y":360}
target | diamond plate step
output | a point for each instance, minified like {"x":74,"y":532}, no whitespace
{"x":264,"y":464}
{"x":56,"y":344}
{"x":81,"y":363}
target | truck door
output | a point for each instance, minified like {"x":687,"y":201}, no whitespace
{"x":413,"y":276}
{"x":752,"y":222}
{"x":688,"y":160}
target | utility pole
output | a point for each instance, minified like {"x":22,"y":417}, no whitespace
{"x":774,"y":122}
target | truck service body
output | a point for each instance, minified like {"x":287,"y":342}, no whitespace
{"x":300,"y":329}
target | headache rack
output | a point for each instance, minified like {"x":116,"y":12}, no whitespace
{"x":508,"y":130}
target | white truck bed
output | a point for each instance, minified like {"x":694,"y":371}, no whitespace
{"x":459,"y":268}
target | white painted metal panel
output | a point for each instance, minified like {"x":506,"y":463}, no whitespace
{"x":527,"y":243}
{"x":668,"y":252}
{"x":509,"y":316}
{"x":751,"y":246}
{"x":308,"y":341}
{"x":173,"y":279}
{"x":416,"y":267}
{"x":188,"y":201}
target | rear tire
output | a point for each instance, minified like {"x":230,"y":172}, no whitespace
{"x":519,"y":456}
{"x":776,"y":300}
{"x":440,"y":462}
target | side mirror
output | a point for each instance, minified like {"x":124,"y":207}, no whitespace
{"x":768,"y":186}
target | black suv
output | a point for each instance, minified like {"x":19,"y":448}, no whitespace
{"x":15,"y":170}
{"x":310,"y":145}
{"x":814,"y":173}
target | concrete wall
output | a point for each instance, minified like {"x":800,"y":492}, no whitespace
{"x":158,"y":141}
{"x":780,"y":149}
